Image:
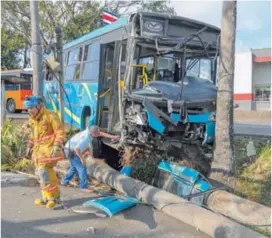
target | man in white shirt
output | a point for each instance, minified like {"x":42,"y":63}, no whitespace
{"x":80,"y":146}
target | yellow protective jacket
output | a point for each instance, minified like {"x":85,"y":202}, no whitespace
{"x":47,"y":133}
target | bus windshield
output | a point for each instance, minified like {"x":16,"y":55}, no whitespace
{"x":200,"y":68}
{"x":168,"y":68}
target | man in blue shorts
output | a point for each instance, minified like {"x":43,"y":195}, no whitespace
{"x":78,"y":148}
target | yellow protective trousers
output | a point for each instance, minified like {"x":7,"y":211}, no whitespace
{"x":46,"y":141}
{"x":49,"y":183}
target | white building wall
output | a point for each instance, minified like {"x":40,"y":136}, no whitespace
{"x":243,"y":80}
{"x":243,"y":73}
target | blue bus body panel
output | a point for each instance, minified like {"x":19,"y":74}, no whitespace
{"x":201,"y":118}
{"x":112,"y":204}
{"x":185,"y":173}
{"x":81,"y":95}
{"x":154,"y":122}
{"x":187,"y":181}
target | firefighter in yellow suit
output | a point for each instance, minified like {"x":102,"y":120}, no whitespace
{"x":45,"y":146}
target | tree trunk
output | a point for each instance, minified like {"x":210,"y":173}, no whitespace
{"x":206,"y":221}
{"x":224,"y":160}
{"x":25,"y":57}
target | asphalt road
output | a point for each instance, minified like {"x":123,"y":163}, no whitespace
{"x":252,"y":129}
{"x":240,"y":128}
{"x":21,"y":218}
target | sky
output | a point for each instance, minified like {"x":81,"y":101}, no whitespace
{"x":253,"y":20}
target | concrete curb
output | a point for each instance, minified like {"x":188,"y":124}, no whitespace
{"x":19,"y":178}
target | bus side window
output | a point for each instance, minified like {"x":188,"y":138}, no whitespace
{"x":108,"y":67}
{"x":72,"y":70}
{"x":26,"y":86}
{"x":11,"y":87}
{"x":90,"y":69}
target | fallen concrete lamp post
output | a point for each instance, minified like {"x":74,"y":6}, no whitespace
{"x":204,"y":220}
{"x":242,"y":210}
{"x":224,"y":203}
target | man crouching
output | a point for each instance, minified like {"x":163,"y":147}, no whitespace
{"x":87,"y":143}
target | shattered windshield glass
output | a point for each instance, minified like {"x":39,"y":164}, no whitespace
{"x":200,"y":68}
{"x":177,"y":186}
{"x":168,"y":68}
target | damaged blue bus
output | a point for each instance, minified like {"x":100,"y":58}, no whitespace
{"x":150,"y":78}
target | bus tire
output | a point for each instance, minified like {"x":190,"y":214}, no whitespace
{"x":11,"y":107}
{"x":86,"y":118}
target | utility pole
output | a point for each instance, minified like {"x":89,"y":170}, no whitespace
{"x":36,"y":49}
{"x":59,"y":46}
{"x":224,"y":159}
{"x":3,"y":103}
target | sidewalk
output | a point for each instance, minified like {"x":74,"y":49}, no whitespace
{"x":21,"y":218}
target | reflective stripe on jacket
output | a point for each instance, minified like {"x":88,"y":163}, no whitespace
{"x":47,"y":131}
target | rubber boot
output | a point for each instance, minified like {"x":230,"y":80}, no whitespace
{"x":39,"y":202}
{"x":50,"y":204}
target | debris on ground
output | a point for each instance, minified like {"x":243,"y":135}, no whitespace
{"x":91,"y":229}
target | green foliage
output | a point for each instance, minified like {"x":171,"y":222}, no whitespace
{"x":6,"y":167}
{"x":15,"y":33}
{"x":74,"y":17}
{"x":255,"y":180}
{"x":240,"y":149}
{"x":13,"y":142}
{"x":265,"y":232}
{"x":25,"y":165}
{"x":123,"y":7}
{"x":157,"y":6}
{"x":9,"y":49}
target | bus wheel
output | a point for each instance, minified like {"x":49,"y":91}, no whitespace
{"x":11,"y":106}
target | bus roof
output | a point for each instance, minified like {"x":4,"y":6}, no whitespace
{"x":16,"y":75}
{"x":124,"y":20}
{"x":98,"y":32}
